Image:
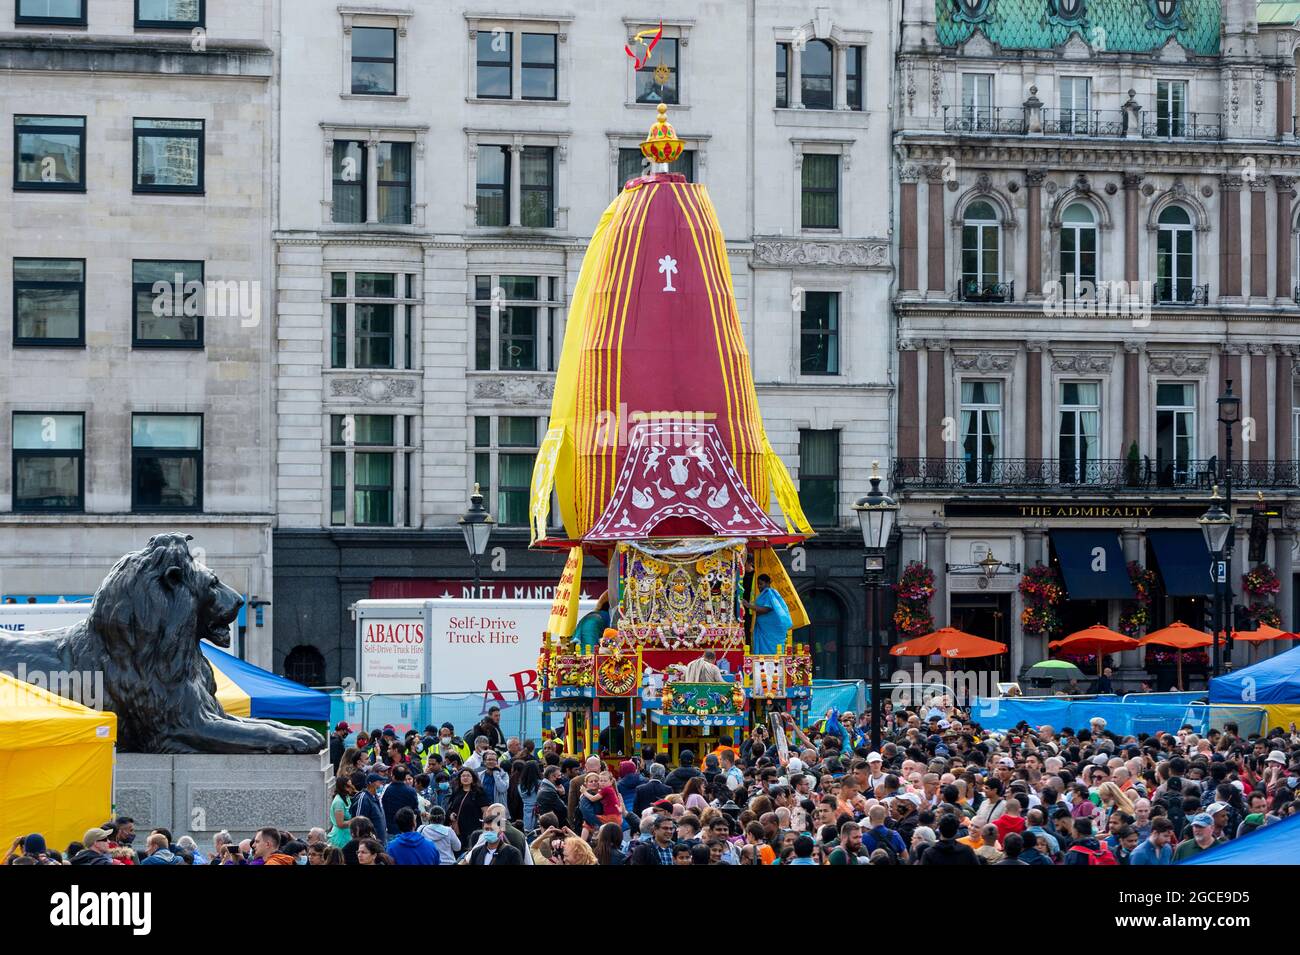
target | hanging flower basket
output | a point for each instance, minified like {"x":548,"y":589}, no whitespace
{"x":1260,"y":584}
{"x":1040,"y":587}
{"x":912,"y":595}
{"x":1135,"y":617}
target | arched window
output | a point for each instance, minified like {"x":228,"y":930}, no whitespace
{"x":1175,"y":259}
{"x":824,"y":633}
{"x":817,"y":75}
{"x":981,"y":251}
{"x":1078,"y":249}
{"x":305,"y":665}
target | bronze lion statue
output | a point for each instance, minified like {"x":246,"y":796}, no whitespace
{"x":143,"y":633}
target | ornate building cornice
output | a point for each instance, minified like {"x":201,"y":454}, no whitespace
{"x":374,"y":389}
{"x":821,"y":253}
{"x":1177,"y":364}
{"x":514,"y":390}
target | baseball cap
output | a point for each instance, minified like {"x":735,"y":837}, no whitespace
{"x":1214,"y":807}
{"x":874,"y":758}
{"x":1203,"y":820}
{"x":913,"y":798}
{"x":1101,"y":759}
{"x":373,"y":778}
{"x":342,"y":725}
{"x":1277,"y":756}
{"x":94,"y":835}
{"x":1007,"y":761}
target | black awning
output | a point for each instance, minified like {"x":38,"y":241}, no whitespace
{"x":1092,"y":563}
{"x":1184,"y":562}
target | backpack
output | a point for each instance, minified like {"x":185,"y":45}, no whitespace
{"x":884,"y":842}
{"x":1102,"y":856}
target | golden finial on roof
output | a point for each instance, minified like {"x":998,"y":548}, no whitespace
{"x":661,"y":143}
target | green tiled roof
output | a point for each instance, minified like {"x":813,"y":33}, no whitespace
{"x":1122,"y":26}
{"x":1278,"y":11}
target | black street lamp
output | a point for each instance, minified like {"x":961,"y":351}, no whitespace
{"x":476,"y":525}
{"x":1216,"y":525}
{"x":876,"y":514}
{"x":1229,"y":417}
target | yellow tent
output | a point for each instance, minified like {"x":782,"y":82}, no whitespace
{"x":56,"y":765}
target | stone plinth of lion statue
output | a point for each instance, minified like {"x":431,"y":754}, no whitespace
{"x":143,"y":634}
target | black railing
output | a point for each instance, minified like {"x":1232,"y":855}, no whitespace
{"x":1190,"y":126}
{"x":983,"y":119}
{"x":1085,"y":122}
{"x":1195,"y":295}
{"x":1110,"y":474}
{"x":972,"y":290}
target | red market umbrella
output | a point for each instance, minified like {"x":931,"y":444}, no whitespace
{"x":1095,"y":639}
{"x":948,"y":642}
{"x":1180,"y":637}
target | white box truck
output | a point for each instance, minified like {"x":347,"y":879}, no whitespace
{"x":31,"y":618}
{"x":449,"y":645}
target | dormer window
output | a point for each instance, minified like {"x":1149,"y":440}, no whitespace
{"x":1167,"y":14}
{"x":1069,"y":11}
{"x":971,"y":11}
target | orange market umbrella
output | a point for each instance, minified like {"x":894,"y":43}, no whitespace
{"x":1180,"y":637}
{"x":1095,"y":639}
{"x":1262,"y":635}
{"x":948,"y":642}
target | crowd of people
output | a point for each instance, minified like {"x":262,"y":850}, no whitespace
{"x":939,"y":791}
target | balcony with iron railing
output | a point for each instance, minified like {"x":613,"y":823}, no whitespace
{"x":987,"y":120}
{"x":1177,"y":294}
{"x":1084,"y":122}
{"x":1193,"y":126}
{"x":1036,"y":119}
{"x":1142,"y":475}
{"x":985,"y":293}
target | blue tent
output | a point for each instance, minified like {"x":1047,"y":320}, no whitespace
{"x":269,"y":696}
{"x":1278,"y":844}
{"x":1269,"y":682}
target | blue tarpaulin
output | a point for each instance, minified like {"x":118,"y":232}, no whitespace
{"x":841,"y":695}
{"x":1278,"y":844}
{"x":270,"y":697}
{"x":1122,"y":718}
{"x":1272,"y":681}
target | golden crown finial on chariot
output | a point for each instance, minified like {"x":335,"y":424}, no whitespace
{"x":661,"y":142}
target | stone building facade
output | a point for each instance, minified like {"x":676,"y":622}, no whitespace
{"x":136,"y":145}
{"x":442,"y":171}
{"x":1097,"y":232}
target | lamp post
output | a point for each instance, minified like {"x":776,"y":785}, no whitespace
{"x":876,"y":514}
{"x":1229,"y":416}
{"x":1216,"y":525}
{"x":476,"y":524}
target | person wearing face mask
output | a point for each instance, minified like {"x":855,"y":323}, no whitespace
{"x":495,"y":850}
{"x":449,"y":742}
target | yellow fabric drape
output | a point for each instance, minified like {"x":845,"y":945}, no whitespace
{"x":767,"y":562}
